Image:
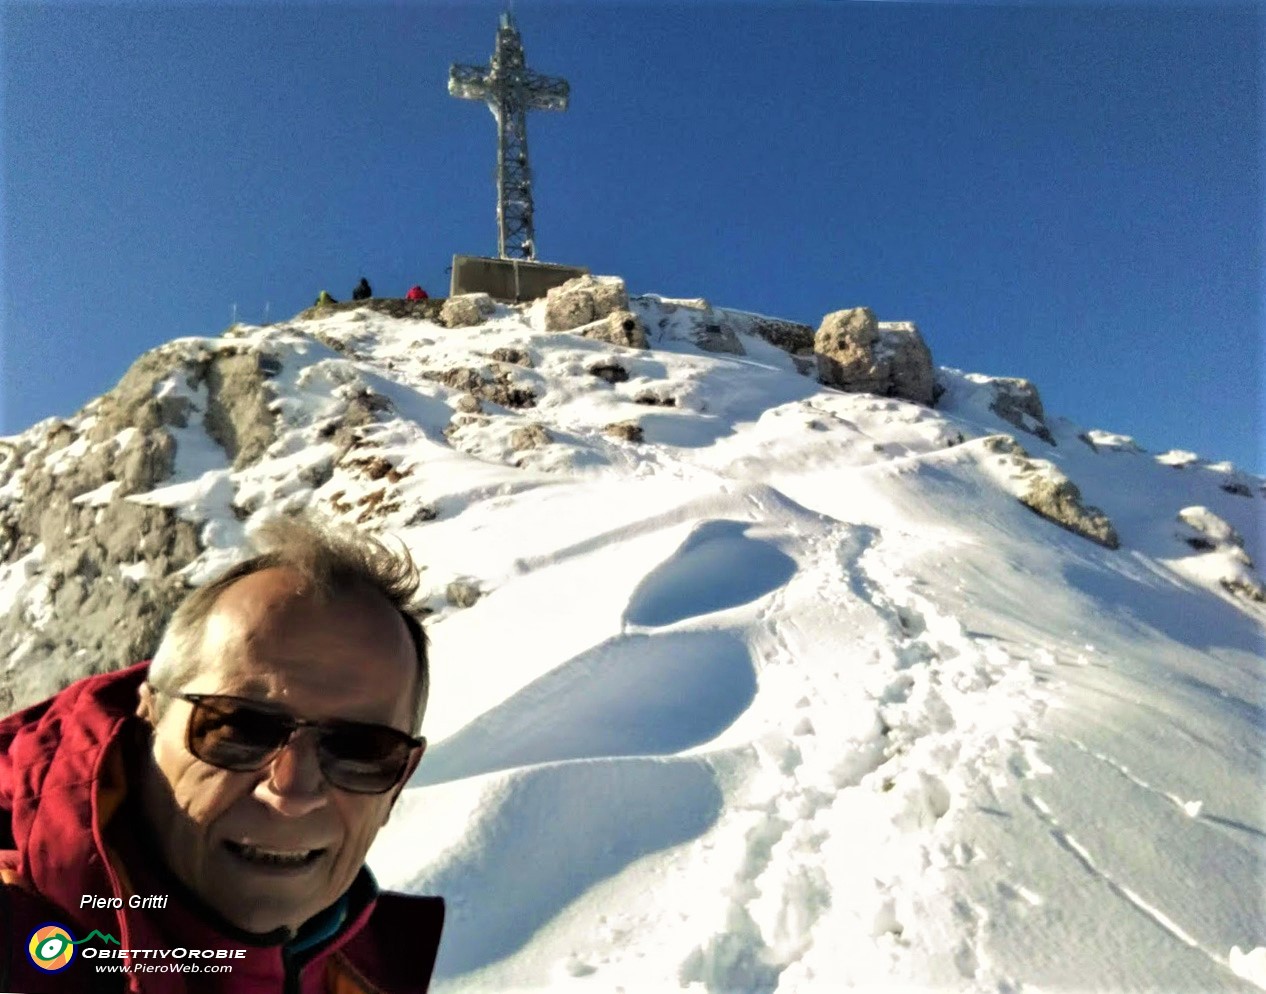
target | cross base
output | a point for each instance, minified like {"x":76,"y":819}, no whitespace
{"x":511,"y":281}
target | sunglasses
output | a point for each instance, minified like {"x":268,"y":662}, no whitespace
{"x":238,"y":734}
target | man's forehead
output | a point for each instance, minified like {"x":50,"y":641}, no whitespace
{"x":270,"y":597}
{"x":269,"y":635}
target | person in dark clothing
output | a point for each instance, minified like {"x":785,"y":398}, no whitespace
{"x":362,"y":291}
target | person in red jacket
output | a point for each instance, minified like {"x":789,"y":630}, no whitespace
{"x":415,"y":293}
{"x":213,"y":808}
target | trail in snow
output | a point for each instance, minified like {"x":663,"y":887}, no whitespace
{"x":795,"y":695}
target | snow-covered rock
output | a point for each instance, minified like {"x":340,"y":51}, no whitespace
{"x":857,"y":354}
{"x":582,"y":301}
{"x":739,"y":682}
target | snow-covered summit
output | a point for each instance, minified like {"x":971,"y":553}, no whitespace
{"x":741,"y":683}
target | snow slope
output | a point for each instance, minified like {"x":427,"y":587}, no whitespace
{"x":794,"y":695}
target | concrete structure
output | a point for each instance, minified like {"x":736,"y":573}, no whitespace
{"x":508,"y":280}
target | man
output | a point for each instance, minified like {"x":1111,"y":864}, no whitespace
{"x":220,"y":800}
{"x":362,"y":291}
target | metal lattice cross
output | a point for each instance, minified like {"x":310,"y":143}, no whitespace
{"x":511,"y":89}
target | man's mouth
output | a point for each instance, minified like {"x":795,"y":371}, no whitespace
{"x":264,"y":856}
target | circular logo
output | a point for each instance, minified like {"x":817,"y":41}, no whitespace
{"x":51,"y":947}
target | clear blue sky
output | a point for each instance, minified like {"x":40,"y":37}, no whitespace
{"x":1070,"y":194}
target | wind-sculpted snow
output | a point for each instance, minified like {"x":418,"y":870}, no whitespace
{"x":785,"y":691}
{"x":545,"y":836}
{"x":717,"y":567}
{"x":635,"y":695}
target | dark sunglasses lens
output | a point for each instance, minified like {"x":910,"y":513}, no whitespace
{"x":364,"y":759}
{"x":235,"y":736}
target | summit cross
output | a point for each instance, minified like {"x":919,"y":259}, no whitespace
{"x":510,"y":90}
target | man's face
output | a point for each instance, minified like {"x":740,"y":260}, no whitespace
{"x":232,"y":838}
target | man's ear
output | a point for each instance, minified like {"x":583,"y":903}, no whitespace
{"x":147,"y":707}
{"x":404,"y":782}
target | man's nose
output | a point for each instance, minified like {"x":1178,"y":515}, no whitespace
{"x":295,"y":784}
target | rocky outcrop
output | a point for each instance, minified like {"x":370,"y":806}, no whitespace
{"x":396,"y":307}
{"x":790,"y":336}
{"x":1045,"y":490}
{"x":237,"y":414}
{"x":462,"y":593}
{"x":628,"y":431}
{"x":494,"y":385}
{"x":696,"y":320}
{"x":467,"y":310}
{"x":532,"y":436}
{"x":612,"y":372}
{"x":583,"y":301}
{"x":1016,"y":401}
{"x":857,"y":354}
{"x":1212,"y":537}
{"x":102,"y":567}
{"x":1057,"y":498}
{"x":513,"y":356}
{"x":713,"y":337}
{"x":617,"y":328}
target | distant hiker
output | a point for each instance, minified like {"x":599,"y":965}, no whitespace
{"x":324,"y":298}
{"x":362,"y":291}
{"x":415,"y":293}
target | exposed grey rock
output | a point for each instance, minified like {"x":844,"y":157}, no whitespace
{"x":460,"y":421}
{"x":612,"y":372}
{"x":466,"y":310}
{"x":1017,"y":401}
{"x":1237,"y":487}
{"x":462,"y":593}
{"x":718,"y":338}
{"x":1051,"y":494}
{"x":654,"y":400}
{"x":855,"y":354}
{"x":531,"y":436}
{"x":910,"y":362}
{"x":516,"y":357}
{"x":422,"y":514}
{"x":1003,"y":445}
{"x":1206,"y":532}
{"x":496,"y":386}
{"x":629,"y":431}
{"x":617,"y":328}
{"x":792,"y":337}
{"x":1201,"y":521}
{"x":396,"y":307}
{"x":583,"y":301}
{"x":237,"y":414}
{"x":786,"y":335}
{"x":363,"y":408}
{"x":1057,"y":498}
{"x":1243,"y":586}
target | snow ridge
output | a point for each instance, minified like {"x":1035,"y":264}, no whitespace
{"x":792,"y":694}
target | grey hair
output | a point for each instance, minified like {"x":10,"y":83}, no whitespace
{"x":330,"y":560}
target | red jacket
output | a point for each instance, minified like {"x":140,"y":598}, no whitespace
{"x":415,"y":293}
{"x":66,"y":832}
